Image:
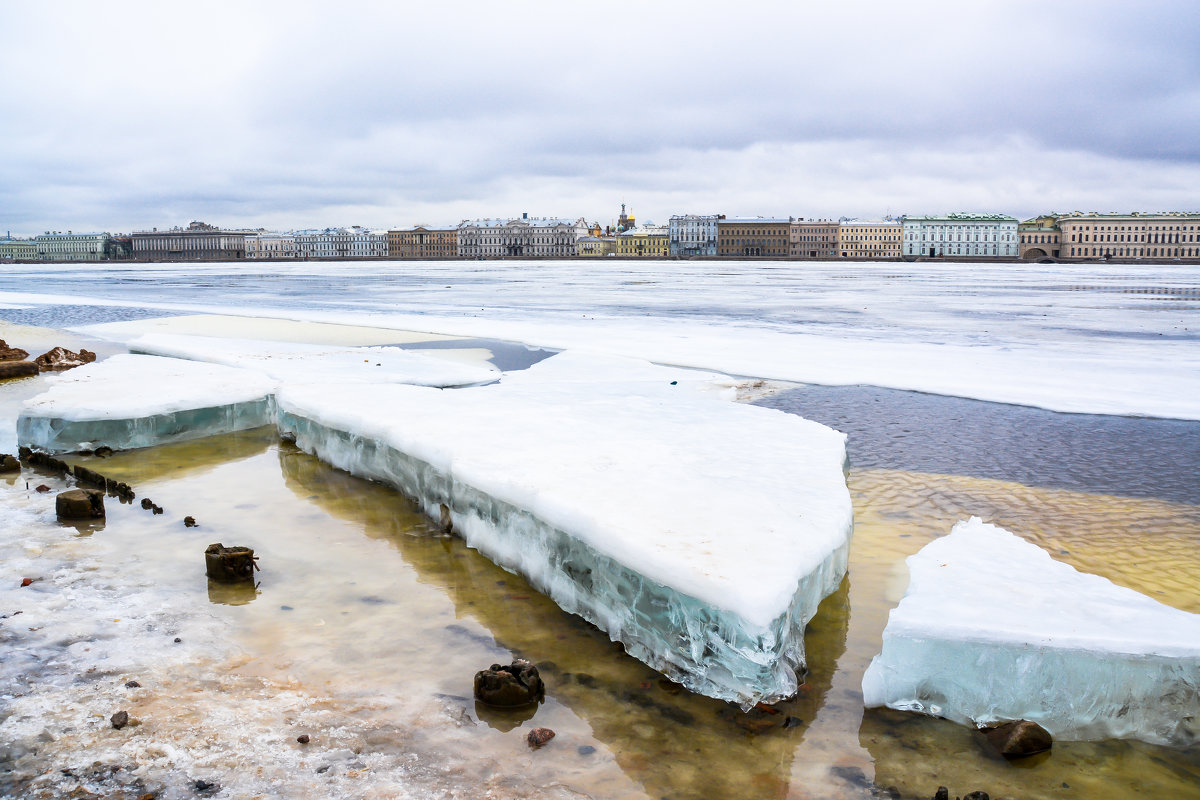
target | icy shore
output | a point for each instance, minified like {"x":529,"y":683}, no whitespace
{"x":993,"y":629}
{"x":701,"y":534}
{"x":129,"y":401}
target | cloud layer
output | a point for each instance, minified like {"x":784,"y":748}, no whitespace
{"x":122,"y":116}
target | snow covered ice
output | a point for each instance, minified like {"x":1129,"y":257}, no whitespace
{"x":700,"y":533}
{"x":129,"y":401}
{"x":993,"y":629}
{"x":312,"y":363}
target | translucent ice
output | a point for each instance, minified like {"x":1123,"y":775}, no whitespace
{"x":129,"y":401}
{"x":993,"y":629}
{"x":314,"y":363}
{"x":700,"y":533}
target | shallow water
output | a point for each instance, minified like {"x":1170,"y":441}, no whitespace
{"x":367,"y":626}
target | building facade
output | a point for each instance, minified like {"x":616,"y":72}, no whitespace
{"x":1040,"y":237}
{"x":767,"y":237}
{"x":962,"y":236}
{"x":644,"y":241}
{"x":813,"y":238}
{"x":876,"y":239}
{"x":693,"y":235}
{"x":523,"y":237}
{"x":354,"y":242}
{"x":59,"y":246}
{"x":592,"y":246}
{"x":270,"y":245}
{"x":423,"y":241}
{"x":1171,"y":235}
{"x":197,"y":242}
{"x":17,"y":249}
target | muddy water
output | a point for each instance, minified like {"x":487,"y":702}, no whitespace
{"x":367,"y":626}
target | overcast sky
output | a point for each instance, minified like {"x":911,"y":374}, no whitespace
{"x":119,"y":116}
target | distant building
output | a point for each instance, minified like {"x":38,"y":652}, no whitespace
{"x":199,"y":241}
{"x":813,"y":239}
{"x":17,"y":249}
{"x":877,"y":239}
{"x":265,"y":244}
{"x":1169,"y":235}
{"x":354,"y":242}
{"x":58,"y":246}
{"x":523,"y":237}
{"x":754,"y":236}
{"x":644,"y":241}
{"x":961,"y":236}
{"x":625,"y":222}
{"x":423,"y":241}
{"x":119,"y":248}
{"x":693,"y":234}
{"x":596,"y":246}
{"x":1040,"y":237}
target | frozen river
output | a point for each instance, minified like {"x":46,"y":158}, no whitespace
{"x":367,"y":625}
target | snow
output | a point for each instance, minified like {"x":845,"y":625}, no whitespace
{"x":993,"y":629}
{"x":308,"y":363}
{"x":700,"y":533}
{"x":129,"y":401}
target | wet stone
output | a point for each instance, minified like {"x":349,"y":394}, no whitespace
{"x":1018,"y":739}
{"x":206,"y":787}
{"x":9,"y":464}
{"x":79,"y":504}
{"x":17,"y":369}
{"x":942,"y":793}
{"x":8,"y":353}
{"x":189,"y":522}
{"x":513,"y":686}
{"x":538,"y":737}
{"x":303,"y":738}
{"x":229,"y":564}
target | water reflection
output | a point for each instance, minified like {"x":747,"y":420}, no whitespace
{"x":233,"y":594}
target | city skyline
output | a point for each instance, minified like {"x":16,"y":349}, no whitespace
{"x":131,"y":116}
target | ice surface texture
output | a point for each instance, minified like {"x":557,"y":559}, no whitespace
{"x":130,"y":401}
{"x":313,"y":363}
{"x":700,"y":533}
{"x":993,"y":629}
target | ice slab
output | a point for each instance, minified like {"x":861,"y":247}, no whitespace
{"x":700,"y":533}
{"x":313,"y":363}
{"x":993,"y":629}
{"x":129,"y":401}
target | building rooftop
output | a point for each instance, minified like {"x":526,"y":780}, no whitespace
{"x":759,"y":220}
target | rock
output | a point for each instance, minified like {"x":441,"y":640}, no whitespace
{"x":228,"y":564}
{"x":12,"y":353}
{"x":120,"y":719}
{"x":585,"y":749}
{"x":132,"y":685}
{"x":60,"y":358}
{"x":103,"y":451}
{"x":303,"y":738}
{"x":512,"y":686}
{"x":26,"y":581}
{"x":43,"y":488}
{"x":941,"y":794}
{"x":147,"y":503}
{"x":9,"y":464}
{"x":1018,"y":739}
{"x":18,"y":369}
{"x":189,"y":522}
{"x":206,"y":787}
{"x":977,"y":796}
{"x":539,"y":736}
{"x":79,"y":504}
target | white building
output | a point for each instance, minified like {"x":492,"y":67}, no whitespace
{"x":355,"y":242}
{"x":693,"y":234}
{"x":265,"y":244}
{"x":523,"y":237}
{"x":59,"y":246}
{"x":962,"y":236}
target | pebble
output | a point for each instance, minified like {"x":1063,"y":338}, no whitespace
{"x":586,"y":749}
{"x":132,"y":685}
{"x":26,"y":581}
{"x":303,"y":738}
{"x":120,"y":719}
{"x":539,"y":736}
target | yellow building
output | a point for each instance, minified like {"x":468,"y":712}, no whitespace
{"x":595,"y":246}
{"x":647,"y":241}
{"x":877,"y":239}
{"x":17,"y":250}
{"x":1170,"y":235}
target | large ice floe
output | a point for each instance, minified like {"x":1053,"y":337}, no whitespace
{"x":700,"y":533}
{"x":993,"y":629}
{"x":129,"y":401}
{"x":314,"y":363}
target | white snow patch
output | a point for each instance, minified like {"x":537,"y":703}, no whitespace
{"x":993,"y":629}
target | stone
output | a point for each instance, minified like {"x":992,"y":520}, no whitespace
{"x":120,"y":719}
{"x":132,"y":685}
{"x":42,"y":488}
{"x":227,"y":564}
{"x":303,"y":738}
{"x":512,"y":686}
{"x":18,"y":369}
{"x":60,"y":358}
{"x":1018,"y":739}
{"x":977,"y":796}
{"x":942,"y":793}
{"x":12,"y":353}
{"x":26,"y":582}
{"x":9,"y":464}
{"x":189,"y":522}
{"x":538,"y":737}
{"x":79,"y":504}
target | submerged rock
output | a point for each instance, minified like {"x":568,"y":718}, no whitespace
{"x":1018,"y":739}
{"x":512,"y":686}
{"x":60,"y":358}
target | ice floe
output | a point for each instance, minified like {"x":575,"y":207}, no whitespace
{"x":700,"y":533}
{"x":992,"y":629}
{"x":129,"y":401}
{"x":314,"y":363}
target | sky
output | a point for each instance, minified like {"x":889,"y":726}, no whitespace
{"x":121,"y":116}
